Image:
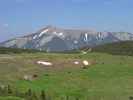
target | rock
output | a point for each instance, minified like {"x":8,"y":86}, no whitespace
{"x":2,"y":86}
{"x":27,"y":77}
{"x":83,"y":52}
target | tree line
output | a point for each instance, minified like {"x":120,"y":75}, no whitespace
{"x":4,"y":50}
{"x":28,"y":95}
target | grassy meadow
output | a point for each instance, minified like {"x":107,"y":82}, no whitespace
{"x":110,"y":78}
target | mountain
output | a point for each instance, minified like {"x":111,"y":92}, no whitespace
{"x":52,"y":38}
{"x":117,"y":48}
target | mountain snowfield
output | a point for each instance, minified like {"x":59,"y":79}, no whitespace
{"x":58,"y":39}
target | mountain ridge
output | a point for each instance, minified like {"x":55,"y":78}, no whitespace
{"x":51,"y":38}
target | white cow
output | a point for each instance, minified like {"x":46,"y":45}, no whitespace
{"x":76,"y":62}
{"x":86,"y":63}
{"x":45,"y":63}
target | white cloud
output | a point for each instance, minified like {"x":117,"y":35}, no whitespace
{"x":5,"y":25}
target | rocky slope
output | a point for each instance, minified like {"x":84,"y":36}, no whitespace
{"x":58,"y":39}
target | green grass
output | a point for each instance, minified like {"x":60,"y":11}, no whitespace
{"x":10,"y":98}
{"x":111,"y":78}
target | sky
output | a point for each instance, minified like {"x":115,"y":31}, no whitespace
{"x":21,"y":17}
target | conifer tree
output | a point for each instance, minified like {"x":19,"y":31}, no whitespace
{"x":9,"y":90}
{"x":43,"y":95}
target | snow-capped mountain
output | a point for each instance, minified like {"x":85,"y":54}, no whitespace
{"x":58,"y":39}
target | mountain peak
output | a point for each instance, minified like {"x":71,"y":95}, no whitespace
{"x":50,"y":27}
{"x":59,"y":39}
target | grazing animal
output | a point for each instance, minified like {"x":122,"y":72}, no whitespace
{"x":86,"y":64}
{"x":44,"y":63}
{"x":76,"y":62}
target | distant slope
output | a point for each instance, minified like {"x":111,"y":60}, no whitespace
{"x":54,"y":39}
{"x":119,"y":48}
{"x":4,"y":50}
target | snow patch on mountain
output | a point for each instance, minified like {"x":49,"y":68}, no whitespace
{"x":43,"y":32}
{"x":10,"y":43}
{"x":102,"y":35}
{"x":59,"y":34}
{"x":34,"y":37}
{"x":86,"y":37}
{"x":75,"y":42}
{"x":123,"y":36}
{"x":55,"y":33}
{"x":45,"y":40}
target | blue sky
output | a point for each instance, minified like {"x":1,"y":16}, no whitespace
{"x":18,"y":17}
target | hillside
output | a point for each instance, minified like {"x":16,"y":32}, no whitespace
{"x":53,"y":39}
{"x":4,"y":50}
{"x":118,"y":48}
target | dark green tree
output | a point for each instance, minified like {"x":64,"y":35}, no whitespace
{"x":67,"y":97}
{"x":9,"y":90}
{"x":34,"y":96}
{"x":43,"y":95}
{"x":29,"y":92}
